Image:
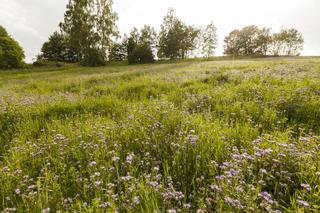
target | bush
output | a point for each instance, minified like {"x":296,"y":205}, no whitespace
{"x":94,"y":58}
{"x":46,"y":63}
{"x":40,"y":63}
{"x":11,"y":54}
{"x":141,"y":54}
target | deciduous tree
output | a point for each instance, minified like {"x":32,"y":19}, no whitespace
{"x":57,"y":49}
{"x":89,"y":26}
{"x":287,"y":42}
{"x":208,"y":40}
{"x":176,"y":39}
{"x":119,"y":50}
{"x":141,"y":45}
{"x":11,"y":53}
{"x":250,"y":40}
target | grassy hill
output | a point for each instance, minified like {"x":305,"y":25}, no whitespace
{"x":216,"y":136}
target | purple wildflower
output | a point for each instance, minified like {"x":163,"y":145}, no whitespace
{"x":306,"y":187}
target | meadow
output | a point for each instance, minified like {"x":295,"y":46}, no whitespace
{"x":193,"y":136}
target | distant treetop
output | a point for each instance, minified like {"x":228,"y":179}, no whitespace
{"x":252,"y":40}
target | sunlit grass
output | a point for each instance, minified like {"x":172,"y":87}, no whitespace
{"x":206,"y":136}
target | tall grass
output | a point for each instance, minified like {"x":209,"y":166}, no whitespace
{"x":209,"y":136}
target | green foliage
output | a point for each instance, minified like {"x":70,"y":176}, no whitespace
{"x":254,"y":41}
{"x":287,"y":42}
{"x":11,"y":54}
{"x":186,"y":137}
{"x":140,"y":45}
{"x":119,"y":51}
{"x":57,"y":49}
{"x":78,"y":27}
{"x":46,"y":63}
{"x":141,"y":54}
{"x":88,"y":27}
{"x":94,"y":58}
{"x":176,"y":39}
{"x":208,"y":40}
{"x":248,"y":41}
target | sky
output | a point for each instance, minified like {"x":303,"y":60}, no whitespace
{"x":31,"y":22}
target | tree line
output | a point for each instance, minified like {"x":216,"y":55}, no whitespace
{"x":82,"y":39}
{"x":88,"y":35}
{"x":252,"y":40}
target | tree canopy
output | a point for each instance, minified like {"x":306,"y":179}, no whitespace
{"x":252,"y":40}
{"x":176,"y":39}
{"x":287,"y":42}
{"x":89,"y":35}
{"x":57,"y":49}
{"x":86,"y":33}
{"x":11,"y":53}
{"x":119,"y":50}
{"x":208,"y":40}
{"x":141,"y":45}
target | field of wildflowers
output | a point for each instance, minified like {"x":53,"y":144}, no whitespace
{"x":219,"y":136}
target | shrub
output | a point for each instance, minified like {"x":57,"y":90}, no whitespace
{"x":94,"y":58}
{"x":141,"y":54}
{"x":46,"y":63}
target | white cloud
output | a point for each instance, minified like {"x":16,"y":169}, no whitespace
{"x":31,"y":22}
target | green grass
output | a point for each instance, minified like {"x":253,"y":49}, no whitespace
{"x":211,"y":136}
